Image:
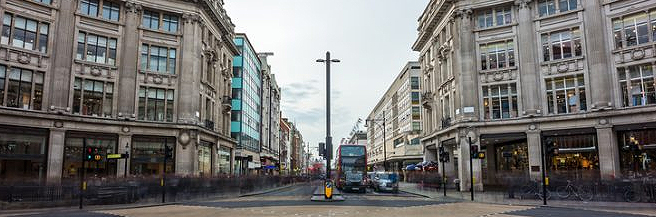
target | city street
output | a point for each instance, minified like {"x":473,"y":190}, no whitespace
{"x":294,"y":201}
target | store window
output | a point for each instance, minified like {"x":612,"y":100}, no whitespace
{"x":158,"y":59}
{"x":497,"y":55}
{"x":24,"y":33}
{"x":637,"y":152}
{"x":156,"y":104}
{"x":23,"y":153}
{"x":634,"y":29}
{"x":566,"y":94}
{"x":637,"y":85}
{"x":561,"y":44}
{"x":500,"y":101}
{"x":494,"y":17}
{"x":512,"y":157}
{"x":224,"y":160}
{"x":551,"y":7}
{"x":205,"y":158}
{"x":154,"y":20}
{"x":93,"y":98}
{"x":576,"y":155}
{"x":24,"y":88}
{"x":147,"y":157}
{"x":95,"y":48}
{"x":73,"y":159}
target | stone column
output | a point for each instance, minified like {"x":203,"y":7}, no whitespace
{"x":609,"y":153}
{"x":129,"y":54}
{"x":463,"y":59}
{"x":528,"y":68}
{"x":123,"y":141}
{"x":189,"y":75}
{"x":534,"y":154}
{"x":490,"y":157}
{"x":596,"y":55}
{"x":63,"y":35}
{"x":464,"y":168}
{"x":185,"y":157}
{"x":449,"y":167}
{"x":55,"y":155}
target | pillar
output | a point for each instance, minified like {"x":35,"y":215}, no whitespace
{"x":464,"y":69}
{"x":189,"y":70}
{"x":185,"y":158}
{"x":55,"y":156}
{"x":609,"y":153}
{"x":62,"y":57}
{"x":534,"y":154}
{"x":596,"y":55}
{"x":124,"y":144}
{"x":464,"y":168}
{"x":490,"y":157}
{"x":528,"y":76}
{"x":127,"y":79}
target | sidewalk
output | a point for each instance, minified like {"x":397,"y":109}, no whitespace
{"x":497,"y":197}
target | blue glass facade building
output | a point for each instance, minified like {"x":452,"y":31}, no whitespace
{"x":246,"y":116}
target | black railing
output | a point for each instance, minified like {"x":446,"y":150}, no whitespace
{"x":446,"y":122}
{"x":136,"y":190}
{"x":209,"y":124}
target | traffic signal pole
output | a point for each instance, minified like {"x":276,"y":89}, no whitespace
{"x":471,"y":170}
{"x":83,"y":184}
{"x":163,"y":181}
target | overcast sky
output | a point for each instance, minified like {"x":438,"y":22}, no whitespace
{"x":372,"y":38}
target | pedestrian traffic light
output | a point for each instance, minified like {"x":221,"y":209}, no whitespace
{"x":96,"y":154}
{"x":168,"y":152}
{"x":88,"y":154}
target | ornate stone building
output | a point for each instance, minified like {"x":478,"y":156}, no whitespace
{"x":121,"y":76}
{"x":574,"y":78}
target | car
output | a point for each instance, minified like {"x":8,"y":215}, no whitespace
{"x":385,"y":181}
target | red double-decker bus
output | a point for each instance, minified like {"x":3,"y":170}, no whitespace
{"x":351,"y":168}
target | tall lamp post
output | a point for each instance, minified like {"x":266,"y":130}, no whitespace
{"x":375,"y":121}
{"x":329,"y":139}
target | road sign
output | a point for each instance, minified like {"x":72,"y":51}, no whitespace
{"x":117,"y":156}
{"x":329,"y":189}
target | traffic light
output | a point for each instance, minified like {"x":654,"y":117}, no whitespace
{"x":552,"y":148}
{"x":168,"y":152}
{"x":97,"y":154}
{"x":474,"y":151}
{"x":88,"y":154}
{"x":322,"y":149}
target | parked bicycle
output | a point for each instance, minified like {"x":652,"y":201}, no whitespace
{"x":534,"y":189}
{"x":571,"y":190}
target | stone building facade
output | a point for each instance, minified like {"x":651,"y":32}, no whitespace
{"x":119,"y":76}
{"x":270,"y":155}
{"x":400,"y":110}
{"x":574,"y":78}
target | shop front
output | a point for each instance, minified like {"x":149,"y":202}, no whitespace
{"x":147,"y":156}
{"x":23,"y":154}
{"x":507,"y":158}
{"x":637,"y":147}
{"x":224,"y":160}
{"x":572,"y":154}
{"x":74,"y":164}
{"x":205,"y":158}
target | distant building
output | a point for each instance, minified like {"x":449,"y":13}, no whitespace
{"x":400,"y":110}
{"x":246,"y":124}
{"x":270,"y":154}
{"x":285,"y":145}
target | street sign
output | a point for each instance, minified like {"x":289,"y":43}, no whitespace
{"x":329,"y":189}
{"x":117,"y":156}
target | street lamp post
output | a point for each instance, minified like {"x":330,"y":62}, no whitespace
{"x":384,"y":120}
{"x":329,"y":142}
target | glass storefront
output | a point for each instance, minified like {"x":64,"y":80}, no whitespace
{"x":73,"y":151}
{"x":637,"y":153}
{"x":575,"y":156}
{"x":512,"y":157}
{"x":22,"y":154}
{"x":147,"y":156}
{"x":205,"y":158}
{"x":224,"y":160}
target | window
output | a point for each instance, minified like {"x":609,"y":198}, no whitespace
{"x":414,"y":83}
{"x":550,"y":7}
{"x":634,"y":29}
{"x":89,"y":7}
{"x":415,"y":97}
{"x":147,"y":156}
{"x":3,"y":79}
{"x":416,"y":126}
{"x":97,"y":49}
{"x":156,"y":104}
{"x":153,"y":20}
{"x":566,"y":94}
{"x":93,"y":98}
{"x":561,"y":44}
{"x":158,"y":59}
{"x":25,"y":33}
{"x":416,"y":112}
{"x":500,"y":101}
{"x":110,"y":10}
{"x":43,"y":1}
{"x":637,"y":85}
{"x":24,"y":88}
{"x":497,"y":55}
{"x":494,"y":17}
